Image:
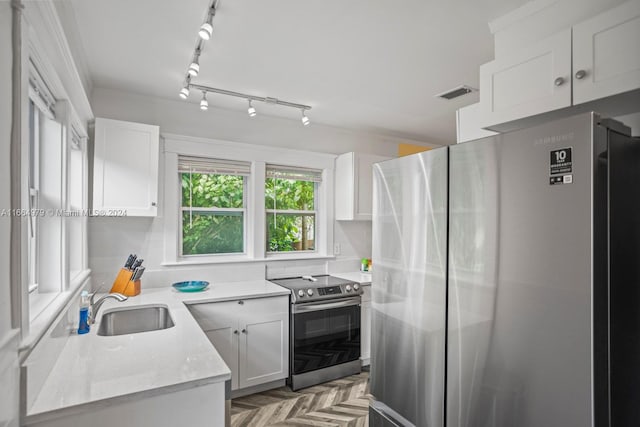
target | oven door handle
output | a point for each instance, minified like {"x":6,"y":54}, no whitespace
{"x":306,"y":308}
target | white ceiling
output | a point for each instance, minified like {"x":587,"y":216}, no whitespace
{"x":367,"y":65}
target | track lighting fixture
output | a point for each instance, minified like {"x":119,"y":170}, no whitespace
{"x":206,"y":30}
{"x":204,"y":104}
{"x":184,"y":92}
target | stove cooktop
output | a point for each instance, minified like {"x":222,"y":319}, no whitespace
{"x":315,"y":288}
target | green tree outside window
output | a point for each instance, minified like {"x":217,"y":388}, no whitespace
{"x":212,"y":214}
{"x":290,"y":207}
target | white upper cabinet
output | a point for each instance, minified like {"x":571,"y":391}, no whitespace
{"x":125,"y":170}
{"x":354,"y":185}
{"x":606,"y":54}
{"x":534,"y":80}
{"x":469,"y":124}
{"x":589,"y":62}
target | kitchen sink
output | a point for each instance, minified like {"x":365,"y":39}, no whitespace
{"x":135,"y":320}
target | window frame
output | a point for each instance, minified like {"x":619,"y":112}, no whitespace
{"x":255,"y":230}
{"x":245,"y":186}
{"x":72,"y":109}
{"x":314,"y":213}
{"x":39,"y":305}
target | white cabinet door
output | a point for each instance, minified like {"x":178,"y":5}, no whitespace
{"x":219,"y":321}
{"x":354,"y":185}
{"x":534,"y":80}
{"x":364,"y":188}
{"x":225,"y":340}
{"x":264,"y":350}
{"x":606,"y":53}
{"x":125,"y":172}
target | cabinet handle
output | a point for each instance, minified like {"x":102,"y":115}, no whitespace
{"x":235,"y":332}
{"x":559,"y":81}
{"x":241,"y":302}
{"x":244,"y":331}
{"x":580,"y":74}
{"x":153,"y":203}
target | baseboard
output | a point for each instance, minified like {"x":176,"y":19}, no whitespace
{"x":257,"y":388}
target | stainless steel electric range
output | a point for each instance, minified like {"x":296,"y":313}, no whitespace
{"x":324,"y":329}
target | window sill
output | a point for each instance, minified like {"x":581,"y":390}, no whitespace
{"x":238,"y":260}
{"x":39,"y":325}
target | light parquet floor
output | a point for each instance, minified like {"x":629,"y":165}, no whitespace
{"x":339,"y":403}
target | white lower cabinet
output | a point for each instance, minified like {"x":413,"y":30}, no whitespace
{"x":251,"y":335}
{"x":365,"y":326}
{"x":203,"y":405}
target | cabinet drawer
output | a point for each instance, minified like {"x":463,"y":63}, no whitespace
{"x":212,"y":315}
{"x":265,"y":306}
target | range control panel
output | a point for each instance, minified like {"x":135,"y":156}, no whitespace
{"x":331,"y":290}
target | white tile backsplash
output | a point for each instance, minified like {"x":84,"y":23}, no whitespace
{"x":111,"y":240}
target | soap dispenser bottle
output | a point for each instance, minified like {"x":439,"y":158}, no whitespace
{"x":83,"y":326}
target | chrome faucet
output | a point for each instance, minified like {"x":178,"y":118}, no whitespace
{"x":95,"y":306}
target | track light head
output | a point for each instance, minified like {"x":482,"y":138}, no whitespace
{"x":305,"y":119}
{"x":206,"y":30}
{"x":194,"y":68}
{"x":184,"y":92}
{"x":251,"y":111}
{"x":204,"y":104}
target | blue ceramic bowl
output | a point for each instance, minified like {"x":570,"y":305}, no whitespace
{"x":191,"y":286}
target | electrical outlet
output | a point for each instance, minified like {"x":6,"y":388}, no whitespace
{"x":337,"y":249}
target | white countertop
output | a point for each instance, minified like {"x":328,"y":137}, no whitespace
{"x":93,"y":369}
{"x":355,"y":276}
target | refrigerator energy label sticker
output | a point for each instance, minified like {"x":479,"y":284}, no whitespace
{"x":560,"y":167}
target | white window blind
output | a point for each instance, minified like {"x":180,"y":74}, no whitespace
{"x":39,"y":92}
{"x":188,"y":164}
{"x":294,"y":173}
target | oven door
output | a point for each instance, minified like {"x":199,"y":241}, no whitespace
{"x":324,"y":334}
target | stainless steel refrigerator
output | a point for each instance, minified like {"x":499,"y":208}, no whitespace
{"x":506,"y":287}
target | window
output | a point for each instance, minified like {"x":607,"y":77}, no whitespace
{"x":213,"y":206}
{"x":245,"y":206}
{"x":44,"y":199}
{"x":291,"y":208}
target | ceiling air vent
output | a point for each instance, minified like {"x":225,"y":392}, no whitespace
{"x":456,"y":92}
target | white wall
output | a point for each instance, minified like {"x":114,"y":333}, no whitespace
{"x":5,"y":180}
{"x":539,"y":19}
{"x":9,"y":385}
{"x":183,"y":118}
{"x":112,"y":239}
